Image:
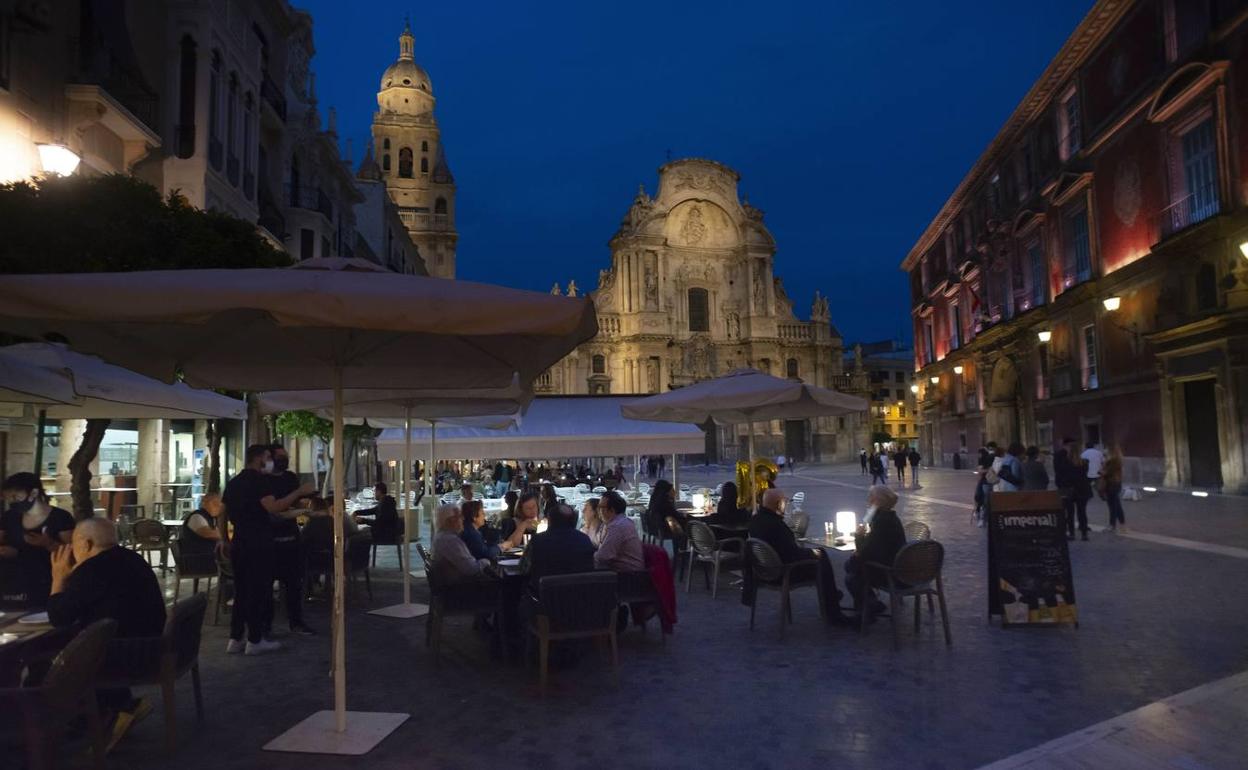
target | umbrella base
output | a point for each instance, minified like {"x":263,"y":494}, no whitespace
{"x":413,"y":610}
{"x":316,"y":734}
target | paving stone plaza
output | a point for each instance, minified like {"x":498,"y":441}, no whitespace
{"x":1159,"y":610}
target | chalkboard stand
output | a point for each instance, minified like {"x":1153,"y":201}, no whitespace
{"x":1027,"y":541}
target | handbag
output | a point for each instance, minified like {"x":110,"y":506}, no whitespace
{"x":991,"y":477}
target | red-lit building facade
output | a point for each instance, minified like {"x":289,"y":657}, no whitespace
{"x":1089,"y":276}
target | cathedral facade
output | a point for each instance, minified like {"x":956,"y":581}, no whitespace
{"x":691,"y":294}
{"x":408,"y":146}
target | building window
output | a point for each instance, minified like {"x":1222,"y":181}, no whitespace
{"x":186,"y":97}
{"x":439,"y":207}
{"x":385,"y":143}
{"x":424,"y":165}
{"x":899,"y":377}
{"x":231,"y":130}
{"x":929,"y":345}
{"x":955,"y":326}
{"x":215,"y":155}
{"x":307,"y":243}
{"x":699,"y":311}
{"x":598,"y":365}
{"x":424,"y":146}
{"x":385,"y":162}
{"x":1039,"y":275}
{"x":1042,"y":372}
{"x":1195,"y":188}
{"x":1068,"y":125}
{"x":1088,"y":357}
{"x":790,"y":368}
{"x":405,"y":162}
{"x":926,"y":273}
{"x":295,"y":181}
{"x":1078,"y":247}
{"x":249,"y":136}
{"x":1206,"y":287}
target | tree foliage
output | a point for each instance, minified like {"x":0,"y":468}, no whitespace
{"x":309,"y":425}
{"x":881,"y":437}
{"x":118,"y":223}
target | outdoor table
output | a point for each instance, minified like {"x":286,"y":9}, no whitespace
{"x":18,"y":643}
{"x":846,"y":544}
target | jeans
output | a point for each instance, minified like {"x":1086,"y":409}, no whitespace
{"x":1075,"y":506}
{"x":1113,"y":496}
{"x":914,"y":475}
{"x":901,"y":473}
{"x":253,"y":589}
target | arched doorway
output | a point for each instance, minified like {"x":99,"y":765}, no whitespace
{"x":1003,"y":403}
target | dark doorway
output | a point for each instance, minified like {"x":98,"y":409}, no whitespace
{"x":1202,"y":433}
{"x":795,"y":439}
{"x":712,"y":433}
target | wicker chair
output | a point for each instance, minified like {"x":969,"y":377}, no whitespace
{"x":769,"y":571}
{"x":67,"y":690}
{"x":680,"y":544}
{"x":471,"y":599}
{"x":916,"y":531}
{"x":162,"y":660}
{"x":915,"y":571}
{"x":577,"y":606}
{"x":150,"y":535}
{"x":713,"y":554}
{"x":193,"y":567}
{"x":799,"y":522}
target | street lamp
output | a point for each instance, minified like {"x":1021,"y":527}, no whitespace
{"x":914,"y":388}
{"x":1045,"y":336}
{"x":1112,"y":303}
{"x":57,"y":159}
{"x":935,"y":379}
{"x":957,"y":369}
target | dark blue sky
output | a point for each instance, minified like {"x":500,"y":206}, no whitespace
{"x":850,"y":123}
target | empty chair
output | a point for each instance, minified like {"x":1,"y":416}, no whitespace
{"x":67,"y":691}
{"x":798,"y":521}
{"x":916,"y":571}
{"x":162,"y":660}
{"x":149,"y":535}
{"x":713,"y":554}
{"x":768,"y":571}
{"x":395,"y":538}
{"x":798,"y":499}
{"x":917,"y":530}
{"x":193,"y":567}
{"x":575,"y":607}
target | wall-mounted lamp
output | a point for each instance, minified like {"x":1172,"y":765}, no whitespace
{"x":57,"y":159}
{"x":901,"y":403}
{"x":935,"y":380}
{"x":957,"y":369}
{"x":1112,"y":303}
{"x":1243,"y":249}
{"x":914,"y":388}
{"x":1044,"y":336}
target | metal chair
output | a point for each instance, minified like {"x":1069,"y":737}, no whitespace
{"x":395,"y":539}
{"x":728,"y":553}
{"x":680,"y":542}
{"x":798,"y":499}
{"x":150,"y":535}
{"x":162,"y":660}
{"x":355,"y":557}
{"x":767,"y":569}
{"x":915,"y":571}
{"x":67,"y":690}
{"x":798,"y":521}
{"x":916,"y":531}
{"x":193,"y":567}
{"x":578,"y":606}
{"x":472,"y":598}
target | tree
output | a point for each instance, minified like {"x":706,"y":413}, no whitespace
{"x":80,"y":468}
{"x":302,"y":424}
{"x":880,"y":437}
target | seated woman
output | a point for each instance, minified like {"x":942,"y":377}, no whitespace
{"x":728,"y":512}
{"x":592,"y":523}
{"x":524,"y":521}
{"x":663,"y":505}
{"x":473,"y":512}
{"x":880,"y":545}
{"x":30,"y":529}
{"x":452,"y":561}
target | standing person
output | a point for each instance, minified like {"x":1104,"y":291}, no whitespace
{"x":914,"y":459}
{"x":549,"y":498}
{"x":1071,"y":481}
{"x":1035,"y":476}
{"x":985,"y":478}
{"x":780,"y":462}
{"x":879,"y":474}
{"x":899,"y":461}
{"x":662,"y":464}
{"x":289,"y":561}
{"x":862,"y":460}
{"x":1111,"y":480}
{"x":1010,"y":469}
{"x":30,"y":530}
{"x":1094,"y":461}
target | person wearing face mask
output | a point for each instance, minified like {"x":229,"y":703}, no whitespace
{"x":768,"y":525}
{"x":30,"y":530}
{"x":250,"y":507}
{"x":288,"y":553}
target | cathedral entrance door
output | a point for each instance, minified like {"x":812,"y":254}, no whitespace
{"x":795,"y":439}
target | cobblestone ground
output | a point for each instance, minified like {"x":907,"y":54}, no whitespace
{"x":1157,"y":618}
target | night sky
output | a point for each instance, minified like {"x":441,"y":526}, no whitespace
{"x":850,"y":123}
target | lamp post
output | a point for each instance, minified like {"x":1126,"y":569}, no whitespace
{"x":57,"y":159}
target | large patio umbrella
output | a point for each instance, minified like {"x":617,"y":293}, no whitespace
{"x":498,"y":408}
{"x":272,"y":329}
{"x":743,"y":396}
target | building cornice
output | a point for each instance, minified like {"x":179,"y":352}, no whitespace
{"x":1094,"y":28}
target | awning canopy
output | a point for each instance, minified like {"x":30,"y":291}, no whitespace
{"x":563,"y":426}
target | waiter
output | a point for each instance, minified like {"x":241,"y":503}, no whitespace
{"x":288,"y":557}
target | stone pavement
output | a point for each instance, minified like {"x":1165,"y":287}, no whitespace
{"x":1156,"y":620}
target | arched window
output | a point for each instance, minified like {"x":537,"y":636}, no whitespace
{"x":186,"y":98}
{"x":424,"y":146}
{"x":598,"y":365}
{"x":790,"y":368}
{"x":439,"y":206}
{"x":1207,"y":287}
{"x":424,"y":165}
{"x":385,"y":162}
{"x":385,"y":143}
{"x":405,"y":162}
{"x":699,"y":311}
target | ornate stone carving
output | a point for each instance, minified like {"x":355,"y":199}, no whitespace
{"x":819,"y":308}
{"x":760,"y":287}
{"x":694,"y":229}
{"x":571,"y":288}
{"x":702,"y":182}
{"x":555,"y":289}
{"x":1127,"y":191}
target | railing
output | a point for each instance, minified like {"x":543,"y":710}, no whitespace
{"x":423,"y":220}
{"x":310,"y":199}
{"x":804,"y":332}
{"x":841,"y":382}
{"x":1189,"y":210}
{"x":608,"y":326}
{"x":544,"y":382}
{"x":271,"y":92}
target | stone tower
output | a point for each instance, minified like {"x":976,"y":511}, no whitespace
{"x":408,"y":145}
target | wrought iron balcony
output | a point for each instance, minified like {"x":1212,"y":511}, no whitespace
{"x":1189,"y":210}
{"x":310,"y":199}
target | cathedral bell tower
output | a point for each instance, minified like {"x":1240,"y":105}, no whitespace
{"x":408,"y":146}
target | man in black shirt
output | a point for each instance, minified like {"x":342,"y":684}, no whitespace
{"x":288,"y":559}
{"x":768,"y":525}
{"x":561,"y":550}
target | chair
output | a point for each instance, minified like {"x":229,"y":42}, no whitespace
{"x":395,"y":540}
{"x":705,"y":549}
{"x":680,"y":542}
{"x":917,"y":530}
{"x":637,"y":589}
{"x":473,"y":598}
{"x":768,"y":570}
{"x":576,"y":607}
{"x":193,"y":567}
{"x":798,"y":499}
{"x":225,"y":578}
{"x":162,"y":660}
{"x":166,"y":509}
{"x":915,"y":571}
{"x":126,"y":516}
{"x":150,"y":535}
{"x":356,"y":554}
{"x":67,"y":690}
{"x":799,"y":522}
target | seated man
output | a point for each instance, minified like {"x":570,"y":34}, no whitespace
{"x":93,"y":579}
{"x":768,"y":525}
{"x":621,"y":548}
{"x":200,"y":535}
{"x":561,"y":550}
{"x":384,"y":516}
{"x":452,"y":561}
{"x":880,"y":546}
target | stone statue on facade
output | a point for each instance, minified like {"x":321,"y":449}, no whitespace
{"x":819,"y":308}
{"x":652,"y":289}
{"x":571,"y":288}
{"x":555,"y":289}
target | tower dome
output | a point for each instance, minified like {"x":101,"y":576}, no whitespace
{"x":405,"y":73}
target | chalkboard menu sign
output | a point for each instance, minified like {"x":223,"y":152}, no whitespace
{"x":1029,"y":578}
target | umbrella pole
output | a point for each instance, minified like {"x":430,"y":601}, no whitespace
{"x":433,"y":464}
{"x":749,"y":462}
{"x":43,"y":426}
{"x":340,"y":647}
{"x":407,"y":506}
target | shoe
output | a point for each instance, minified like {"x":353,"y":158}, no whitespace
{"x":262,"y":646}
{"x":141,"y":710}
{"x":302,"y":630}
{"x":121,"y":725}
{"x":234,"y":646}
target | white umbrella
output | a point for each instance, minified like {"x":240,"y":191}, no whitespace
{"x":270,"y":329}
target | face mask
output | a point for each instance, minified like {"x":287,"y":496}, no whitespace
{"x":268,"y":466}
{"x":281,"y":464}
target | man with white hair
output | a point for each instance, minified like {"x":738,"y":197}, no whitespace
{"x":879,"y":546}
{"x":452,"y":560}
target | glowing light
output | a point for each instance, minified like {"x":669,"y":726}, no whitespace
{"x":1112,"y":303}
{"x":699,"y":501}
{"x":394,"y":463}
{"x":846,"y":522}
{"x":914,"y":388}
{"x":935,"y":380}
{"x":542,"y":525}
{"x":957,"y":369}
{"x":58,"y":159}
{"x":1150,"y":489}
{"x":1197,"y":493}
{"x":1243,"y":249}
{"x":1045,"y":336}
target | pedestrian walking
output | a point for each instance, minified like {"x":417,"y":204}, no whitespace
{"x":879,"y":472}
{"x":1035,"y":475}
{"x":1072,"y":483}
{"x":986,"y":476}
{"x":1009,"y":468}
{"x":862,"y":460}
{"x":780,"y":462}
{"x":899,"y":462}
{"x":1111,"y":485}
{"x":914,"y":459}
{"x":1094,"y":465}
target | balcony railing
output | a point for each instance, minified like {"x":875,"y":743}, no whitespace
{"x":608,"y":326}
{"x":310,"y":199}
{"x":1189,"y":210}
{"x":271,"y":92}
{"x":423,"y":220}
{"x":799,"y":332}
